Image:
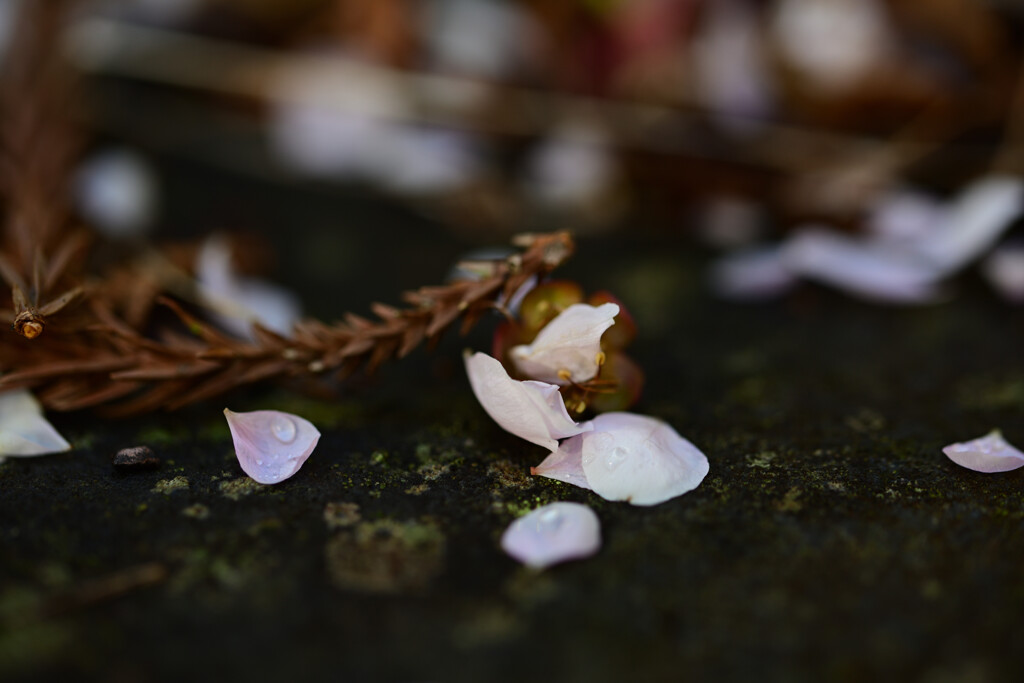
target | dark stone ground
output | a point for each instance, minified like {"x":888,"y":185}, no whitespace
{"x":832,"y":539}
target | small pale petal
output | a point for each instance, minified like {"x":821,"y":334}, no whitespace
{"x":270,"y":445}
{"x":1004,"y":269}
{"x":565,"y":464}
{"x":553,"y":533}
{"x":239,"y":302}
{"x":871,"y":270}
{"x":639,"y":459}
{"x":23,"y":429}
{"x":752,"y":274}
{"x":571,"y":342}
{"x":990,"y":453}
{"x":974,"y":222}
{"x":531,"y":410}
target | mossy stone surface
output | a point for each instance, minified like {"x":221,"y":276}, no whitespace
{"x":832,"y":540}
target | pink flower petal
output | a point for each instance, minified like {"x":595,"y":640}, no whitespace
{"x":553,"y":533}
{"x":990,"y":453}
{"x":572,"y":342}
{"x":270,"y":445}
{"x":565,"y":464}
{"x":639,"y":459}
{"x":531,"y":410}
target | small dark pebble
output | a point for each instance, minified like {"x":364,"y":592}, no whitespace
{"x":136,"y":458}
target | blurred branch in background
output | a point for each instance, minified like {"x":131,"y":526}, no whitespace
{"x":812,"y":106}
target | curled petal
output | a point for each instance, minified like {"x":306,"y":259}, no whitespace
{"x":238,"y":302}
{"x":975,"y":220}
{"x":270,"y":445}
{"x":23,"y":429}
{"x":871,"y":270}
{"x":531,"y":410}
{"x":571,"y":342}
{"x":553,"y":533}
{"x":990,"y":453}
{"x":565,"y":464}
{"x":639,"y":459}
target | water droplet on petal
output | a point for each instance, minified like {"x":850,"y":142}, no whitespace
{"x":550,"y":518}
{"x":283,"y":428}
{"x":615,"y":457}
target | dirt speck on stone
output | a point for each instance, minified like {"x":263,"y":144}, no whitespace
{"x":197,"y":511}
{"x":135,"y":458}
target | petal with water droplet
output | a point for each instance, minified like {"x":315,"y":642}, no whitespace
{"x":23,"y":429}
{"x":572,"y":342}
{"x":271,"y":445}
{"x":990,"y":453}
{"x":639,"y":459}
{"x":531,"y":410}
{"x":553,"y":533}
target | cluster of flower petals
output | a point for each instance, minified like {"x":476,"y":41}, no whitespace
{"x":620,"y":456}
{"x":915,"y":244}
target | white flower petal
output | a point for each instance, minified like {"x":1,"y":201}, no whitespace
{"x":531,"y":410}
{"x":572,"y":341}
{"x":270,"y":445}
{"x":975,"y":220}
{"x":117,"y":193}
{"x":239,"y":302}
{"x":553,"y":533}
{"x":1004,"y":269}
{"x":905,"y":217}
{"x":565,"y":464}
{"x":752,"y":274}
{"x":990,"y":453}
{"x":639,"y":459}
{"x":23,"y":429}
{"x":872,"y":270}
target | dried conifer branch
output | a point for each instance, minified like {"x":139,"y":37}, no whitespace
{"x":43,"y":254}
{"x":111,"y":364}
{"x":102,"y":353}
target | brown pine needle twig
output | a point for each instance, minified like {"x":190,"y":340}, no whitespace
{"x":111,"y":364}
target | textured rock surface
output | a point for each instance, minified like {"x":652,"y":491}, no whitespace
{"x":832,"y":539}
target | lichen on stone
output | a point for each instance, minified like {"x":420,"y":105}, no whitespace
{"x":167,"y":486}
{"x":386,"y":556}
